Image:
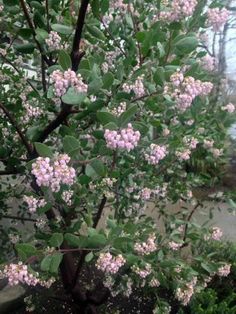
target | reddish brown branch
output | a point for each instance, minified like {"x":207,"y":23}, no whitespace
{"x":76,"y":54}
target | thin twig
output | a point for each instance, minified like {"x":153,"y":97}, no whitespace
{"x":31,"y":25}
{"x":17,"y":218}
{"x":113,"y":38}
{"x":187,"y":224}
{"x":43,"y":72}
{"x":15,"y":125}
{"x":18,"y":71}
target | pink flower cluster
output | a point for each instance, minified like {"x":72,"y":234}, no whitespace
{"x":174,"y":245}
{"x":33,"y":203}
{"x":224,"y":271}
{"x":217,"y":17}
{"x":54,"y":41}
{"x":155,"y":154}
{"x":208,"y":63}
{"x":230,"y":108}
{"x":146,"y":194}
{"x":53,"y":173}
{"x":62,"y":81}
{"x":216,"y":233}
{"x":120,"y":109}
{"x":191,"y":142}
{"x":184,"y":294}
{"x":183,"y":155}
{"x":185,"y":90}
{"x":109,"y":264}
{"x":125,"y":138}
{"x":145,"y":248}
{"x":179,"y":9}
{"x":137,"y":87}
{"x":119,"y":5}
{"x":31,"y":112}
{"x":154,"y":283}
{"x":67,"y":197}
{"x":142,"y":272}
{"x":19,"y":273}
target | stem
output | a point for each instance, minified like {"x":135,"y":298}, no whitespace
{"x":113,"y":38}
{"x":44,"y":82}
{"x":186,"y":225}
{"x":31,"y":25}
{"x":14,"y":123}
{"x":75,"y":54}
{"x":47,"y":14}
{"x":18,"y":218}
{"x":84,"y":253}
{"x":75,"y":58}
{"x":18,"y":71}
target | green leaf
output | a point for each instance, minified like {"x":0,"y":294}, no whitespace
{"x":43,"y":150}
{"x":90,"y":172}
{"x":95,"y":85}
{"x":123,"y":244}
{"x":25,"y":250}
{"x":64,"y":60}
{"x":25,"y":33}
{"x":108,"y":80}
{"x":72,"y":97}
{"x":126,"y":116}
{"x":54,"y":68}
{"x":38,"y":19}
{"x":96,"y":241}
{"x":186,"y":45}
{"x":56,"y":239}
{"x":55,"y":262}
{"x":159,"y":76}
{"x":95,"y":7}
{"x":10,"y":2}
{"x":41,"y":34}
{"x":51,"y":263}
{"x":25,"y":48}
{"x":98,"y":167}
{"x":96,"y":32}
{"x":72,"y":239}
{"x":70,"y":144}
{"x":106,"y":117}
{"x":62,"y":29}
{"x":89,"y":257}
{"x":45,"y":263}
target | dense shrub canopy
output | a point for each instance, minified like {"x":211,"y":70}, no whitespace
{"x":107,"y":106}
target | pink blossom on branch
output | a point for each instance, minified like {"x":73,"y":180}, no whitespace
{"x":217,"y":18}
{"x":126,"y":139}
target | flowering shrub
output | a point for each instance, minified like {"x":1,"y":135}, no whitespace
{"x":120,"y":108}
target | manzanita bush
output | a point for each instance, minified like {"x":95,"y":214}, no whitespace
{"x":107,"y":106}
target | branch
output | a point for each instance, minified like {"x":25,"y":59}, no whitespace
{"x":64,"y":113}
{"x":75,"y":58}
{"x":31,"y":25}
{"x":14,"y":123}
{"x":8,"y":172}
{"x":117,"y":44}
{"x":75,"y":54}
{"x":17,"y":70}
{"x":18,"y":218}
{"x":100,"y":210}
{"x":44,"y":82}
{"x":186,"y":225}
{"x":84,"y":253}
